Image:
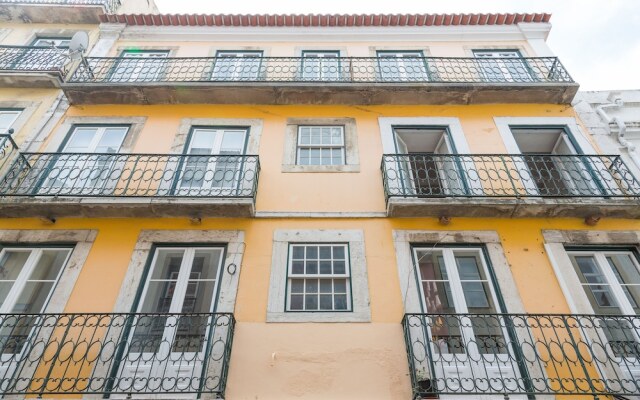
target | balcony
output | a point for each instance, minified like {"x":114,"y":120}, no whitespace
{"x":135,"y":185}
{"x":525,"y":354}
{"x":30,"y":66}
{"x":509,"y":185}
{"x":296,"y":80}
{"x":56,"y":11}
{"x":119,"y":355}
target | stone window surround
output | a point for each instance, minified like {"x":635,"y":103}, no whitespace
{"x":555,"y":242}
{"x":503,"y":124}
{"x":404,"y":239}
{"x":352,"y":158}
{"x":254,"y":125}
{"x":81,"y":241}
{"x":359,"y":280}
{"x":228,"y":285}
{"x":453,"y":124}
{"x":136,"y":123}
{"x":27,"y":108}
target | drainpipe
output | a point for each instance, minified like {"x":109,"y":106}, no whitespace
{"x":622,"y":129}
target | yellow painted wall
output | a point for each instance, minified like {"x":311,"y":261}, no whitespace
{"x":339,"y":360}
{"x":15,"y":34}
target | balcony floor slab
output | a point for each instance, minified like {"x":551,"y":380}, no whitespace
{"x":29,"y":80}
{"x":514,"y":208}
{"x":59,"y":207}
{"x":317,"y":93}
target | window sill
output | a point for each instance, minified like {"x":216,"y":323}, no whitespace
{"x":320,"y":168}
{"x":319,"y":316}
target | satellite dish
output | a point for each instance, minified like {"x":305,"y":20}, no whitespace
{"x":79,"y":43}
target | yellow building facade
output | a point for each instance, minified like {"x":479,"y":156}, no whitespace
{"x":357,"y":207}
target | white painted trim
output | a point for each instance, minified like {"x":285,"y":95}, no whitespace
{"x":503,"y":125}
{"x":361,"y":311}
{"x":559,"y":261}
{"x":475,"y":33}
{"x":455,"y":130}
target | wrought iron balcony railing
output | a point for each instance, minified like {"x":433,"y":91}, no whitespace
{"x":528,"y":354}
{"x":526,"y":71}
{"x":110,"y":5}
{"x":132,"y":175}
{"x":33,"y":59}
{"x":507,"y":175}
{"x":127,"y":354}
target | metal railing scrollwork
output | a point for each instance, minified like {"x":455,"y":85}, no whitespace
{"x":507,"y":175}
{"x":132,"y":175}
{"x":123,"y":70}
{"x":526,"y":354}
{"x":115,"y":353}
{"x":33,"y":59}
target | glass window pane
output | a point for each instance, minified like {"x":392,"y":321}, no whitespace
{"x":298,"y":252}
{"x":111,"y":140}
{"x":5,"y":287}
{"x":340,"y":286}
{"x":477,"y":296}
{"x":32,"y":297}
{"x":326,"y":285}
{"x":12,"y":263}
{"x":297,"y":286}
{"x":233,"y":141}
{"x":338,"y":252}
{"x":202,"y":141}
{"x":325,"y":252}
{"x":297,"y":267}
{"x":198,"y":297}
{"x":589,"y":271}
{"x":624,"y":268}
{"x":80,"y":140}
{"x":49,"y":265}
{"x":325,"y":267}
{"x":205,"y":264}
{"x":340,"y":302}
{"x":311,"y":286}
{"x":167,"y":264}
{"x":311,"y":302}
{"x":326,"y":302}
{"x":296,"y":302}
{"x":312,"y":252}
{"x":339,"y":267}
{"x":468,"y":268}
{"x":6,"y":119}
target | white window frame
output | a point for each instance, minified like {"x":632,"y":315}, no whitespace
{"x":318,"y":57}
{"x":321,"y":147}
{"x":135,"y":60}
{"x":238,"y":57}
{"x":35,"y":253}
{"x":319,"y":276}
{"x":54,"y":41}
{"x":403,"y":75}
{"x":276,"y":307}
{"x":16,"y":114}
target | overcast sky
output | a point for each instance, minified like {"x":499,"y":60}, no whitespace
{"x":597,"y":40}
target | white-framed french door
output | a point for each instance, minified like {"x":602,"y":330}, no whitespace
{"x":469,"y":354}
{"x":403,"y":66}
{"x":85,"y":164}
{"x":503,"y":66}
{"x":170,"y":335}
{"x":237,"y":66}
{"x":140,"y":66}
{"x":321,"y":66}
{"x":611,"y":281}
{"x":203,"y":173}
{"x":28,"y":276}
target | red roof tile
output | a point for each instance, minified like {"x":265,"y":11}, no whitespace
{"x":323,"y":19}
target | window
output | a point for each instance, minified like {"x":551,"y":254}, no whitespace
{"x":237,"y":66}
{"x":321,"y":145}
{"x":318,"y":277}
{"x":457,"y":292}
{"x":503,"y":66}
{"x":7,"y":118}
{"x":171,"y":333}
{"x":548,"y":167}
{"x":425,"y":161}
{"x":140,"y":66}
{"x":59,"y":42}
{"x":85,"y":164}
{"x":611,"y":281}
{"x":321,"y":66}
{"x":402,"y":66}
{"x":28,"y":277}
{"x":212,"y":164}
